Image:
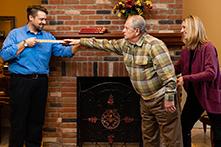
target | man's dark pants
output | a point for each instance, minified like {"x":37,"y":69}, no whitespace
{"x":28,"y":101}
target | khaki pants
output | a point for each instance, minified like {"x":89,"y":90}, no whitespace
{"x":160,"y":128}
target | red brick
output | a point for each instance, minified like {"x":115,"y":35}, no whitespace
{"x":71,"y":2}
{"x":87,"y":22}
{"x":64,"y":17}
{"x":74,"y":22}
{"x":87,"y":12}
{"x":56,"y":12}
{"x":87,"y":1}
{"x":55,"y":1}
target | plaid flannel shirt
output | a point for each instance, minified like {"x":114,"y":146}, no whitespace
{"x":148,"y":63}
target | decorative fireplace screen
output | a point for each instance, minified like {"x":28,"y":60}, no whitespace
{"x":108,"y":111}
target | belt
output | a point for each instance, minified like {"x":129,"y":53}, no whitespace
{"x":29,"y":76}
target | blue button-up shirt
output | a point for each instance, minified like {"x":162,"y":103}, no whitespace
{"x":32,"y":60}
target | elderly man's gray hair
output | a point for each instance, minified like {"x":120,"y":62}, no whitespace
{"x":138,"y":22}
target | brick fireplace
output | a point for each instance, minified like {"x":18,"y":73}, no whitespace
{"x":62,"y":109}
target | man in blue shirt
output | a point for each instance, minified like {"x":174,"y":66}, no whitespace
{"x":28,"y":60}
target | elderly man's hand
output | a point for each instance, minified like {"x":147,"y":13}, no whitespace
{"x":169,"y":106}
{"x":71,"y":41}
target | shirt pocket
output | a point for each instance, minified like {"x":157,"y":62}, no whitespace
{"x":144,"y":65}
{"x":143,"y":61}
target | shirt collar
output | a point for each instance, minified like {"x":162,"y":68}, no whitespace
{"x":139,"y":42}
{"x":27,"y":30}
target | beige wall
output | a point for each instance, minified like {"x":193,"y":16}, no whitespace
{"x":17,"y":8}
{"x":210,"y":13}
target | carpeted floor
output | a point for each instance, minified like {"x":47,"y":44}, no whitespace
{"x":199,"y":139}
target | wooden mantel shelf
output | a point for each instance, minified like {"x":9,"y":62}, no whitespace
{"x":170,"y":39}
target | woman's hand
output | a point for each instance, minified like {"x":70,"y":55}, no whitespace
{"x":180,"y":81}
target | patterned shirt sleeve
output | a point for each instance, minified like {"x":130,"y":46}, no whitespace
{"x":103,"y":44}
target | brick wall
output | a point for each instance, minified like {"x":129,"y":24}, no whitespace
{"x":68,"y":16}
{"x":65,"y":18}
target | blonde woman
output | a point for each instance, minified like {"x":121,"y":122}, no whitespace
{"x":199,"y":67}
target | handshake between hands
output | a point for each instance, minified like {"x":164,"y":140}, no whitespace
{"x":71,"y":42}
{"x":74,"y":42}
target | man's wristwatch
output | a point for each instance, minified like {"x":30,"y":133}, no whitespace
{"x":25,"y":43}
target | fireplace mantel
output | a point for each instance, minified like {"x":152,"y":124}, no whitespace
{"x":170,"y":39}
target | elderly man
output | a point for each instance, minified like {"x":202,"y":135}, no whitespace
{"x":153,"y":77}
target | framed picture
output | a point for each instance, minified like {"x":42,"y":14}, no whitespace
{"x":6,"y":24}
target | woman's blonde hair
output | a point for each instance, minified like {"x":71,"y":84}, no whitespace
{"x":196,"y":33}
